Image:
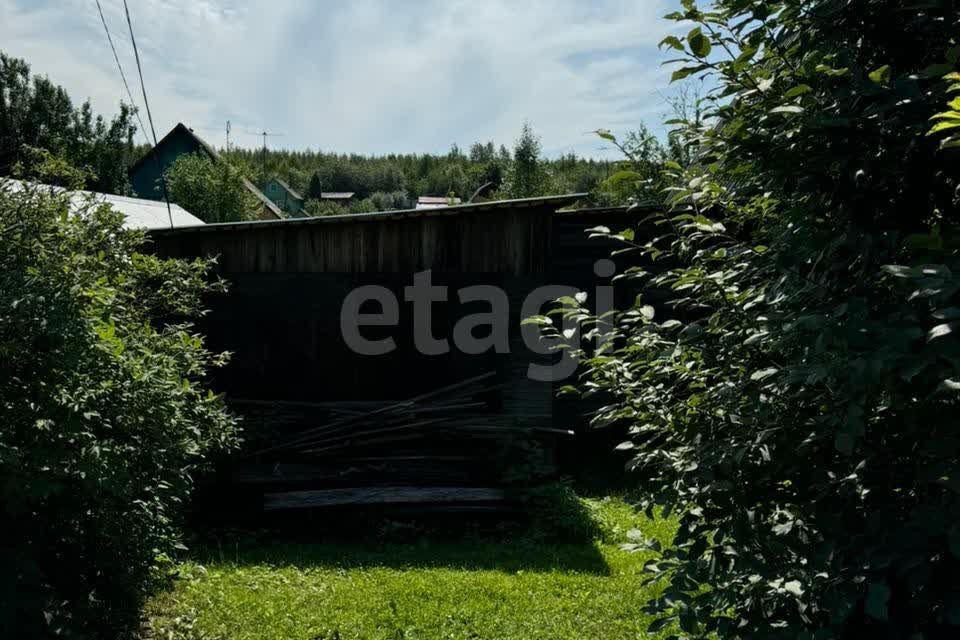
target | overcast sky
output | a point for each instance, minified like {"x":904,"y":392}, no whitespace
{"x":365,"y":76}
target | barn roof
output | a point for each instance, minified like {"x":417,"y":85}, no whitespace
{"x":453,"y":210}
{"x":139,"y":212}
{"x":183,"y":130}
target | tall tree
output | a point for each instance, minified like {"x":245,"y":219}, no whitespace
{"x":34,"y":112}
{"x":526,"y":176}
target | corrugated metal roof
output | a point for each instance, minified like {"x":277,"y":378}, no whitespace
{"x":139,"y":212}
{"x":337,"y":195}
{"x":437,"y":200}
{"x":520,"y":203}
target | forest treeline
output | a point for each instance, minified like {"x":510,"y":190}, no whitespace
{"x":37,"y":114}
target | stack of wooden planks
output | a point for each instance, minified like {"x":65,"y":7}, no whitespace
{"x":448,"y":448}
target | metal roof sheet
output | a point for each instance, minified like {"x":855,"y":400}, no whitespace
{"x":139,"y":213}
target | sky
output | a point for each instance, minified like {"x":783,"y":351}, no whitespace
{"x":363,"y":76}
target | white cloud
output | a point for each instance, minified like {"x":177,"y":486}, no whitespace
{"x":365,"y":76}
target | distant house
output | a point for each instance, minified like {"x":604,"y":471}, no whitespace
{"x":435,"y":202}
{"x":284,"y":196}
{"x":138,"y":212}
{"x":340,"y":197}
{"x":145,"y":173}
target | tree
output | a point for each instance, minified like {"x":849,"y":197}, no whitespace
{"x":104,"y":413}
{"x":213,"y":191}
{"x":795,"y":402}
{"x":638,"y":179}
{"x":526,"y":177}
{"x":315,"y":189}
{"x":36,"y":113}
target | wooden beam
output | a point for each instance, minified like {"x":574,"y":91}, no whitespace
{"x":379,"y":495}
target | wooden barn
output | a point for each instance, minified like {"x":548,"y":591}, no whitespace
{"x":327,"y":425}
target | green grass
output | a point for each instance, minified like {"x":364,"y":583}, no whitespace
{"x":515,"y":587}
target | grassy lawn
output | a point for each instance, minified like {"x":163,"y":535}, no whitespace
{"x":509,"y":587}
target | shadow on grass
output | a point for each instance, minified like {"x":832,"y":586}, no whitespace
{"x":548,"y":530}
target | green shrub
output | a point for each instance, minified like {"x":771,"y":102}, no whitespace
{"x":797,"y":401}
{"x":324,"y":208}
{"x":214,"y":191}
{"x":103,"y":415}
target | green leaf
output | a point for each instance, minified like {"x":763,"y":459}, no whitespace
{"x":787,"y":108}
{"x":699,"y":43}
{"x":537,"y":320}
{"x":606,"y":135}
{"x":830,"y":71}
{"x":943,"y":126}
{"x":763,"y":374}
{"x":880,"y":75}
{"x":798,"y":90}
{"x":682,"y":73}
{"x":949,"y":385}
{"x":658,"y":624}
{"x":672,"y":41}
{"x":941,"y":330}
{"x":745,"y":56}
{"x":620,"y":177}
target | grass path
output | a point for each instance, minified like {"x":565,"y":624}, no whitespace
{"x":504,"y":590}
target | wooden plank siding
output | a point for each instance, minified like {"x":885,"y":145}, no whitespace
{"x":476,"y":241}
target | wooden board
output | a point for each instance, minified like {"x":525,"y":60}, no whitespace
{"x":380,"y":495}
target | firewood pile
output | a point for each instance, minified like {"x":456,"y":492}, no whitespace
{"x":450,"y":448}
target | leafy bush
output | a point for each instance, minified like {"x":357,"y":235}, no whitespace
{"x":212,"y":191}
{"x":324,"y":208}
{"x":103,"y":412}
{"x":390,"y":200}
{"x":796,"y":401}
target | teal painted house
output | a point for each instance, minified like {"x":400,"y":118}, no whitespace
{"x":284,"y":196}
{"x":145,"y":173}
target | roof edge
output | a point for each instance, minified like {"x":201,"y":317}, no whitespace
{"x":559,"y":200}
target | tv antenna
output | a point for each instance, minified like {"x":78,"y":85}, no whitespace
{"x":265,"y":134}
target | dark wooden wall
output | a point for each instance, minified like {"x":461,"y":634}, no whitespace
{"x":288,"y":281}
{"x":515,"y":241}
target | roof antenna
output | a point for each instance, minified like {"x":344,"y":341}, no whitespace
{"x":263,"y":162}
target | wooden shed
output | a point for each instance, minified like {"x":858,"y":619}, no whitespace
{"x":292,"y":372}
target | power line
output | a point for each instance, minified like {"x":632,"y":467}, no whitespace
{"x":123,"y":76}
{"x":146,"y":103}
